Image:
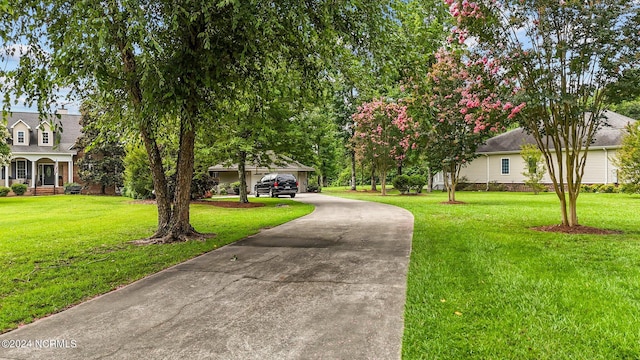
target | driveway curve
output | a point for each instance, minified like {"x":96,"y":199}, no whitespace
{"x":330,"y":285}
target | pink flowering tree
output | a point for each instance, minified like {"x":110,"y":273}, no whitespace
{"x":383,"y":136}
{"x":466,"y":99}
{"x":567,"y":59}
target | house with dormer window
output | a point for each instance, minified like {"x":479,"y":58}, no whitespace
{"x":42,"y":151}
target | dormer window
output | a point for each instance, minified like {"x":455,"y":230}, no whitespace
{"x":45,"y":137}
{"x":20,"y":137}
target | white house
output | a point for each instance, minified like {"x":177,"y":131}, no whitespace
{"x":42,"y":151}
{"x":500,"y":160}
{"x":253,"y":173}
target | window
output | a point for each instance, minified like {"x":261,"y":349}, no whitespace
{"x":20,"y":137}
{"x":21,"y":169}
{"x":45,"y":137}
{"x":504,"y":168}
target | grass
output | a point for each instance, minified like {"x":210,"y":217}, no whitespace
{"x":482,"y":285}
{"x":56,"y":251}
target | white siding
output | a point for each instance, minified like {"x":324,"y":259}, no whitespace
{"x":599,"y":168}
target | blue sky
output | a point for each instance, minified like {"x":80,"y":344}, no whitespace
{"x":11,"y":62}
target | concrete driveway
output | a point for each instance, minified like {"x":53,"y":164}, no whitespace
{"x":330,"y":285}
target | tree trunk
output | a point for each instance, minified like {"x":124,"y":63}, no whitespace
{"x":373,"y":179}
{"x":353,"y":169}
{"x":180,"y":228}
{"x":383,"y":182}
{"x":242,"y":159}
{"x":155,"y":159}
{"x":429,"y":179}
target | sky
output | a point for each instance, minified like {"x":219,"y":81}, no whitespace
{"x":11,"y":62}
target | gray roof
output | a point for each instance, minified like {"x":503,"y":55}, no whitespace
{"x":284,"y":164}
{"x":609,"y":136}
{"x":69,"y":123}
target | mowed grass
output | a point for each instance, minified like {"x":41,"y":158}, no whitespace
{"x":483,"y":285}
{"x":56,"y":251}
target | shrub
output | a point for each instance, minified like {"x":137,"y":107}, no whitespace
{"x":4,"y":191}
{"x":314,"y":188}
{"x":235,"y":186}
{"x":496,"y":186}
{"x":416,"y":183}
{"x":401,"y":183}
{"x":630,"y":188}
{"x":19,"y":189}
{"x":222,"y":191}
{"x":201,"y":184}
{"x":609,"y":188}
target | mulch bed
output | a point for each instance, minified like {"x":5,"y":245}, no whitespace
{"x":578,"y":229}
{"x":224,"y":204}
{"x":229,"y":204}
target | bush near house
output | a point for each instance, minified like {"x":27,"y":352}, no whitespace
{"x":19,"y":189}
{"x":4,"y":190}
{"x":416,"y":183}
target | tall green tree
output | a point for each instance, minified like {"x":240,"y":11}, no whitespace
{"x":568,"y":60}
{"x":628,"y":158}
{"x":102,"y":163}
{"x":165,"y":61}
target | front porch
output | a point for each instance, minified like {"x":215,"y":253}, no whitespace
{"x":43,"y":176}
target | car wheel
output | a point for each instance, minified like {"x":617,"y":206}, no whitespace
{"x":293,"y":195}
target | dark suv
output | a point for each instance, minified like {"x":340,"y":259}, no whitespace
{"x":277,"y":184}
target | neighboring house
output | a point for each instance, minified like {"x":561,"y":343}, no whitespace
{"x":229,"y":174}
{"x":500,"y":160}
{"x":42,"y":153}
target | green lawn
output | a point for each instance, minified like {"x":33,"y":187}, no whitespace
{"x":56,"y":251}
{"x":482,"y":285}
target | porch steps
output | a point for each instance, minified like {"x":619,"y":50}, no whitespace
{"x":45,"y":191}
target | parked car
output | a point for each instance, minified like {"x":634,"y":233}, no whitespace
{"x":277,"y":184}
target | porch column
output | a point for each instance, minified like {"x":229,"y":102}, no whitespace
{"x":33,"y":174}
{"x":70,"y":178}
{"x":6,"y":175}
{"x":55,"y":175}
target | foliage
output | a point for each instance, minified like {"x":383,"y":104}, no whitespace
{"x":137,"y":176}
{"x":401,"y":183}
{"x":384,"y":134}
{"x":201,"y":184}
{"x":534,"y":167}
{"x":91,"y":259}
{"x":18,"y":189}
{"x":629,"y":108}
{"x":102,"y":163}
{"x":235,"y":186}
{"x":180,"y":64}
{"x":4,"y":191}
{"x":566,"y":60}
{"x":628,"y":156}
{"x":467,"y":97}
{"x":417,"y":183}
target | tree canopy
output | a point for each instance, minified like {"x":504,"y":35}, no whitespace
{"x":567,"y":59}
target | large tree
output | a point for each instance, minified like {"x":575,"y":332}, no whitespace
{"x":383,"y":135}
{"x":102,"y":163}
{"x":164,"y":61}
{"x":467,"y":101}
{"x":567,"y":58}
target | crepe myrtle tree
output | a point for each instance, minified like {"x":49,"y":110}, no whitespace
{"x":466,"y":99}
{"x":568,"y":59}
{"x":383,"y":135}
